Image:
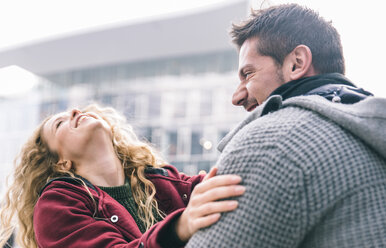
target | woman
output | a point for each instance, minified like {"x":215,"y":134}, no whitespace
{"x":85,"y":180}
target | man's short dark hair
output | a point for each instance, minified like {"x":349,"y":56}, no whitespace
{"x":281,"y":28}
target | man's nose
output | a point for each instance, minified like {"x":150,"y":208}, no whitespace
{"x":240,"y":95}
{"x":74,"y":113}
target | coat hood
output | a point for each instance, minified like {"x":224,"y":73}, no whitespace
{"x":365,"y":119}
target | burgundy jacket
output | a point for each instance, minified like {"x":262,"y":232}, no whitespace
{"x":65,"y":215}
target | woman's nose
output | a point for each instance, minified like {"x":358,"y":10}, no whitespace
{"x":74,"y":113}
{"x":240,"y":95}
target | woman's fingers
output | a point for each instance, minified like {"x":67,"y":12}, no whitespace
{"x":217,"y":193}
{"x":210,"y":213}
{"x":216,"y":188}
{"x":215,"y":207}
{"x":211,"y":173}
{"x":205,"y":221}
{"x":217,"y":181}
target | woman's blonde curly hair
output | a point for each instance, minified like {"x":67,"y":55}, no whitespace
{"x":36,"y":165}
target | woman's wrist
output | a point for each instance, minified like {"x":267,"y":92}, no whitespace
{"x":181,"y":232}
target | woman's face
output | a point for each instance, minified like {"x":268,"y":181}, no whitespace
{"x":74,"y":134}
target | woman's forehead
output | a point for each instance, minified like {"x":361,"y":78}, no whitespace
{"x":55,"y":117}
{"x":58,"y":115}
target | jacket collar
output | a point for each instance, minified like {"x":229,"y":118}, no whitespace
{"x":303,"y":86}
{"x":77,"y":180}
{"x":365,"y":119}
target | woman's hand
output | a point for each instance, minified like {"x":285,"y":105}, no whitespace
{"x":203,"y":208}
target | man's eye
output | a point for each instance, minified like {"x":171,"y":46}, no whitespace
{"x":247,"y":75}
{"x":58,"y":124}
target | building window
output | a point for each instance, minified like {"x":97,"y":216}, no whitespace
{"x":196,"y":147}
{"x":179,"y":105}
{"x":144,"y":133}
{"x":154,"y":106}
{"x":206,"y":103}
{"x":141,"y":106}
{"x":128,"y":106}
{"x":53,"y":107}
{"x":156,"y":137}
{"x":107,"y":99}
{"x":172,"y":143}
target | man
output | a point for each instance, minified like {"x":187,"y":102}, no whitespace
{"x":312,"y":154}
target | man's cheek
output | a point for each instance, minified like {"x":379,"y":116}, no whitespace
{"x":252,"y":90}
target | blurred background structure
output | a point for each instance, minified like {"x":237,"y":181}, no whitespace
{"x":171,"y":77}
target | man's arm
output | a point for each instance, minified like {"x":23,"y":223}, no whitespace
{"x":272,"y":212}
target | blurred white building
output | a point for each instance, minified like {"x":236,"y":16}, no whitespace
{"x":19,"y":114}
{"x":173,"y":78}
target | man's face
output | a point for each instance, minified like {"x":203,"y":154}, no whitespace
{"x":259,"y":76}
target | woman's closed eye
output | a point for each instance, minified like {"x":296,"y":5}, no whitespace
{"x":58,"y":124}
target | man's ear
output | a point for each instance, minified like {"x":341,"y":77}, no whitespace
{"x":65,"y":165}
{"x":298,"y":63}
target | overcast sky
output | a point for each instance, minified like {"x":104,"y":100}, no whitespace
{"x":360,"y":23}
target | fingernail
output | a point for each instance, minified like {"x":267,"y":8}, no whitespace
{"x":233,"y":204}
{"x":216,"y":216}
{"x":236,"y":178}
{"x":239,"y":189}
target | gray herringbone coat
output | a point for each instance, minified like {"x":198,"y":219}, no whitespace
{"x":315,"y":174}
